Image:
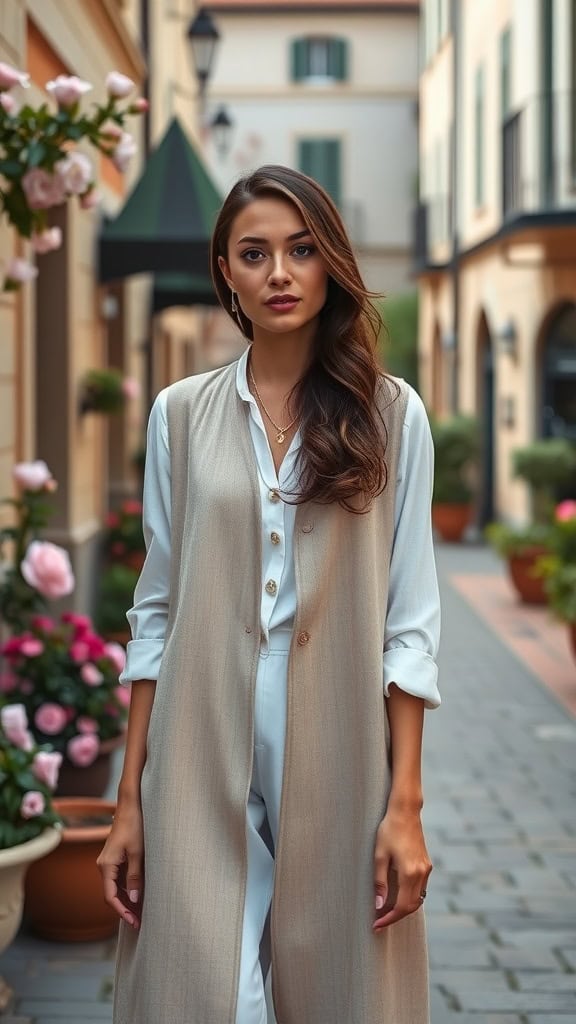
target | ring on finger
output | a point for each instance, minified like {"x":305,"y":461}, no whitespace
{"x":423,"y":895}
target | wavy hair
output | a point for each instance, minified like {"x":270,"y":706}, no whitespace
{"x":344,"y":439}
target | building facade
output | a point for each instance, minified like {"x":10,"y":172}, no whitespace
{"x":329,"y":88}
{"x":496,"y":226}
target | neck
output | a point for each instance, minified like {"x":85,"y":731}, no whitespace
{"x":280,"y":360}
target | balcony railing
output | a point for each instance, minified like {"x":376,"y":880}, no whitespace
{"x":539,"y":156}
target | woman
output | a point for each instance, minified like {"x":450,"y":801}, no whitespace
{"x":285,"y":626}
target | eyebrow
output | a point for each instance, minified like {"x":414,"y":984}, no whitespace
{"x":263,"y":241}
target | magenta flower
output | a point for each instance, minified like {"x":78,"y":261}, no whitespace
{"x":83,"y":750}
{"x":79,"y":651}
{"x":566,"y":510}
{"x":47,"y":568}
{"x":85,"y":724}
{"x":81,"y":623}
{"x":33,"y":804}
{"x":46,"y":767}
{"x":91,"y":675}
{"x":43,"y":622}
{"x":31,"y":647}
{"x":50,"y":718}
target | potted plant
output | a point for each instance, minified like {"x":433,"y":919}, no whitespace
{"x":115,"y":598}
{"x":105,"y":391}
{"x":66,"y":676}
{"x":64,"y":896}
{"x":456,"y":450}
{"x":558,"y":568}
{"x":544,"y":466}
{"x":124,"y":538}
{"x":28,"y":820}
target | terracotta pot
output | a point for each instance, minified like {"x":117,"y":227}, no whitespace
{"x":64,"y":895}
{"x":529,"y":588}
{"x":92,"y":780}
{"x":14,"y":864}
{"x":451,"y":520}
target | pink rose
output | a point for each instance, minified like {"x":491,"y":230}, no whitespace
{"x":83,"y":750}
{"x":8,"y":682}
{"x":47,"y":568}
{"x":140,"y":106}
{"x":130,"y":387}
{"x":42,"y":189}
{"x":132,"y":507}
{"x":84,"y":724}
{"x":67,"y":89}
{"x":33,"y":804}
{"x":32,"y":476}
{"x":110,"y":131}
{"x":122,"y":694}
{"x":91,"y":675}
{"x":46,"y":767}
{"x":81,"y":623}
{"x":124,"y":151}
{"x":118,"y":86}
{"x":96,"y":645}
{"x":8,"y":104}
{"x":79,"y":651}
{"x":566,"y":510}
{"x":19,"y":272}
{"x":76,"y":173}
{"x":47,"y":240}
{"x":15,"y":725}
{"x":10,"y":76}
{"x":90,"y":200}
{"x":31,"y":647}
{"x":43,"y":623}
{"x":116,"y":656}
{"x":112,"y":520}
{"x":50,"y":718}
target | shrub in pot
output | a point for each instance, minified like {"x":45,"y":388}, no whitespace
{"x":124,"y":537}
{"x":456,"y":449}
{"x":558,"y":568}
{"x":115,"y":598}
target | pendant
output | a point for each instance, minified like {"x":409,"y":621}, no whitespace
{"x":280,"y":437}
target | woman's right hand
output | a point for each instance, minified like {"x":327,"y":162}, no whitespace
{"x":121,"y":864}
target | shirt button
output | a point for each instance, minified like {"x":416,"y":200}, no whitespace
{"x":307,"y":527}
{"x":274,"y":495}
{"x":271,"y":587}
{"x":303,"y":638}
{"x":275,"y":537}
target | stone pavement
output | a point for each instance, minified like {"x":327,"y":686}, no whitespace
{"x":500,"y":772}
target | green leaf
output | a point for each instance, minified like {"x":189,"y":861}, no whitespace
{"x":36,"y":153}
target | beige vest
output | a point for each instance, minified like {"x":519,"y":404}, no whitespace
{"x":327,"y":965}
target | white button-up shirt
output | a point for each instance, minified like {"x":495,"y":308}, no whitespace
{"x":413,"y":614}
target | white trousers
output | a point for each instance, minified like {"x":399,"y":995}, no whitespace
{"x":254,"y":994}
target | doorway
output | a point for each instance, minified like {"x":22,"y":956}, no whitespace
{"x":485,"y":376}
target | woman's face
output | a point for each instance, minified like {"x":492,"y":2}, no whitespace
{"x":274,"y":266}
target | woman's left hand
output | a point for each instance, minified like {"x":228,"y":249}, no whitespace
{"x":400,"y":852}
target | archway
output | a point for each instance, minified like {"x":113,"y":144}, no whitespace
{"x":556,"y":374}
{"x":485,"y":405}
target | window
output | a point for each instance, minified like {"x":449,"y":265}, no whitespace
{"x":320,"y":58}
{"x":505,"y":73}
{"x":321,"y":160}
{"x":479,"y":138}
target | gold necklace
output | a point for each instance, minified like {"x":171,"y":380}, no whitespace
{"x":280,"y":431}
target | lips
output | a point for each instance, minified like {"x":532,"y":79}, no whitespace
{"x":282,"y":300}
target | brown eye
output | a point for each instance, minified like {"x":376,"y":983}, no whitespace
{"x":301,"y":251}
{"x":252,"y":255}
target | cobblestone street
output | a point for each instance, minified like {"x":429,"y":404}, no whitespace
{"x":500,"y":820}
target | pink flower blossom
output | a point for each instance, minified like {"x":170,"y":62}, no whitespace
{"x":32,"y":476}
{"x":124,"y":151}
{"x":79,"y":651}
{"x":8,"y":682}
{"x":122,"y":694}
{"x":118,"y":86}
{"x":76,"y":173}
{"x":46,"y":767}
{"x":50,"y":718}
{"x":566,"y":510}
{"x":84,"y":724}
{"x":111,"y":131}
{"x":112,"y":520}
{"x":43,"y":623}
{"x":140,"y":106}
{"x":8,"y":104}
{"x":47,"y":240}
{"x":83,"y":750}
{"x":116,"y":655}
{"x":67,"y":89}
{"x":43,"y":189}
{"x":90,"y":200}
{"x":91,"y":675}
{"x":10,"y":76}
{"x":81,"y":623}
{"x":31,"y":647}
{"x":33,"y":804}
{"x":132,"y":507}
{"x":96,"y":645}
{"x":19,"y":272}
{"x":15,"y":725}
{"x":130,"y":387}
{"x":47,"y":568}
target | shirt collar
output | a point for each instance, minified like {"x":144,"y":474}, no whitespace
{"x":242,"y":377}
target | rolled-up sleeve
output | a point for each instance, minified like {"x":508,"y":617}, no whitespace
{"x":149,"y":614}
{"x":413,"y":617}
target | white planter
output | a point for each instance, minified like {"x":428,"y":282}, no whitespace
{"x":13,"y":866}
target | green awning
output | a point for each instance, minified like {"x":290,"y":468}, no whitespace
{"x":167,"y":221}
{"x":181,"y":289}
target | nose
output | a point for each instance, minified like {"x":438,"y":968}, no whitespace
{"x":279,"y":273}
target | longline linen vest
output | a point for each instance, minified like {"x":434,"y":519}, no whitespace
{"x":328,"y":967}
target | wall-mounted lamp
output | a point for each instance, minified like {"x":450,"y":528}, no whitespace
{"x":203,"y":36}
{"x":508,"y":338}
{"x":221,"y":126}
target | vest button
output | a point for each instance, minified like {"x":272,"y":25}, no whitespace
{"x":275,"y":537}
{"x":274,"y":495}
{"x":307,"y":527}
{"x":303,"y":638}
{"x":271,"y":587}
{"x":247,"y":629}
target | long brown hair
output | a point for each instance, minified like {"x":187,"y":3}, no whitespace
{"x":343,"y":436}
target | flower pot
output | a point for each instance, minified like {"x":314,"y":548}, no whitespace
{"x":92,"y":780}
{"x":14,"y":863}
{"x":64,"y":894}
{"x":529,"y":588}
{"x":451,"y":520}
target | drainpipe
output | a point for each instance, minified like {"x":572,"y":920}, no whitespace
{"x":455,"y":259}
{"x":147,"y":344}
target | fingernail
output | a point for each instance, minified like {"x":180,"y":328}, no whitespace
{"x":133,"y":894}
{"x":379,"y":902}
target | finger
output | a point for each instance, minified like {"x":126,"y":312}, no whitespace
{"x":111,"y":894}
{"x":134,"y":876}
{"x":381,"y":870}
{"x":407,"y":901}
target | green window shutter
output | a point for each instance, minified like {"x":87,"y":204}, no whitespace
{"x":479,"y":138}
{"x":299,"y":59}
{"x":321,"y":160}
{"x":338,"y":59}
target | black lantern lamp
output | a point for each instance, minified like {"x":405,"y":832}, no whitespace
{"x":221,"y":125}
{"x":203,"y":36}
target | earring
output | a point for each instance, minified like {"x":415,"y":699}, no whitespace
{"x":233,"y":305}
{"x":236,"y":310}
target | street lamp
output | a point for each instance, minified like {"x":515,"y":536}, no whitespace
{"x":203,"y":36}
{"x":221,"y":125}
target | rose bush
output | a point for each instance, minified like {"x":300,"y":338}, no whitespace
{"x":38,"y":157}
{"x":28,"y":777}
{"x":124,"y":533}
